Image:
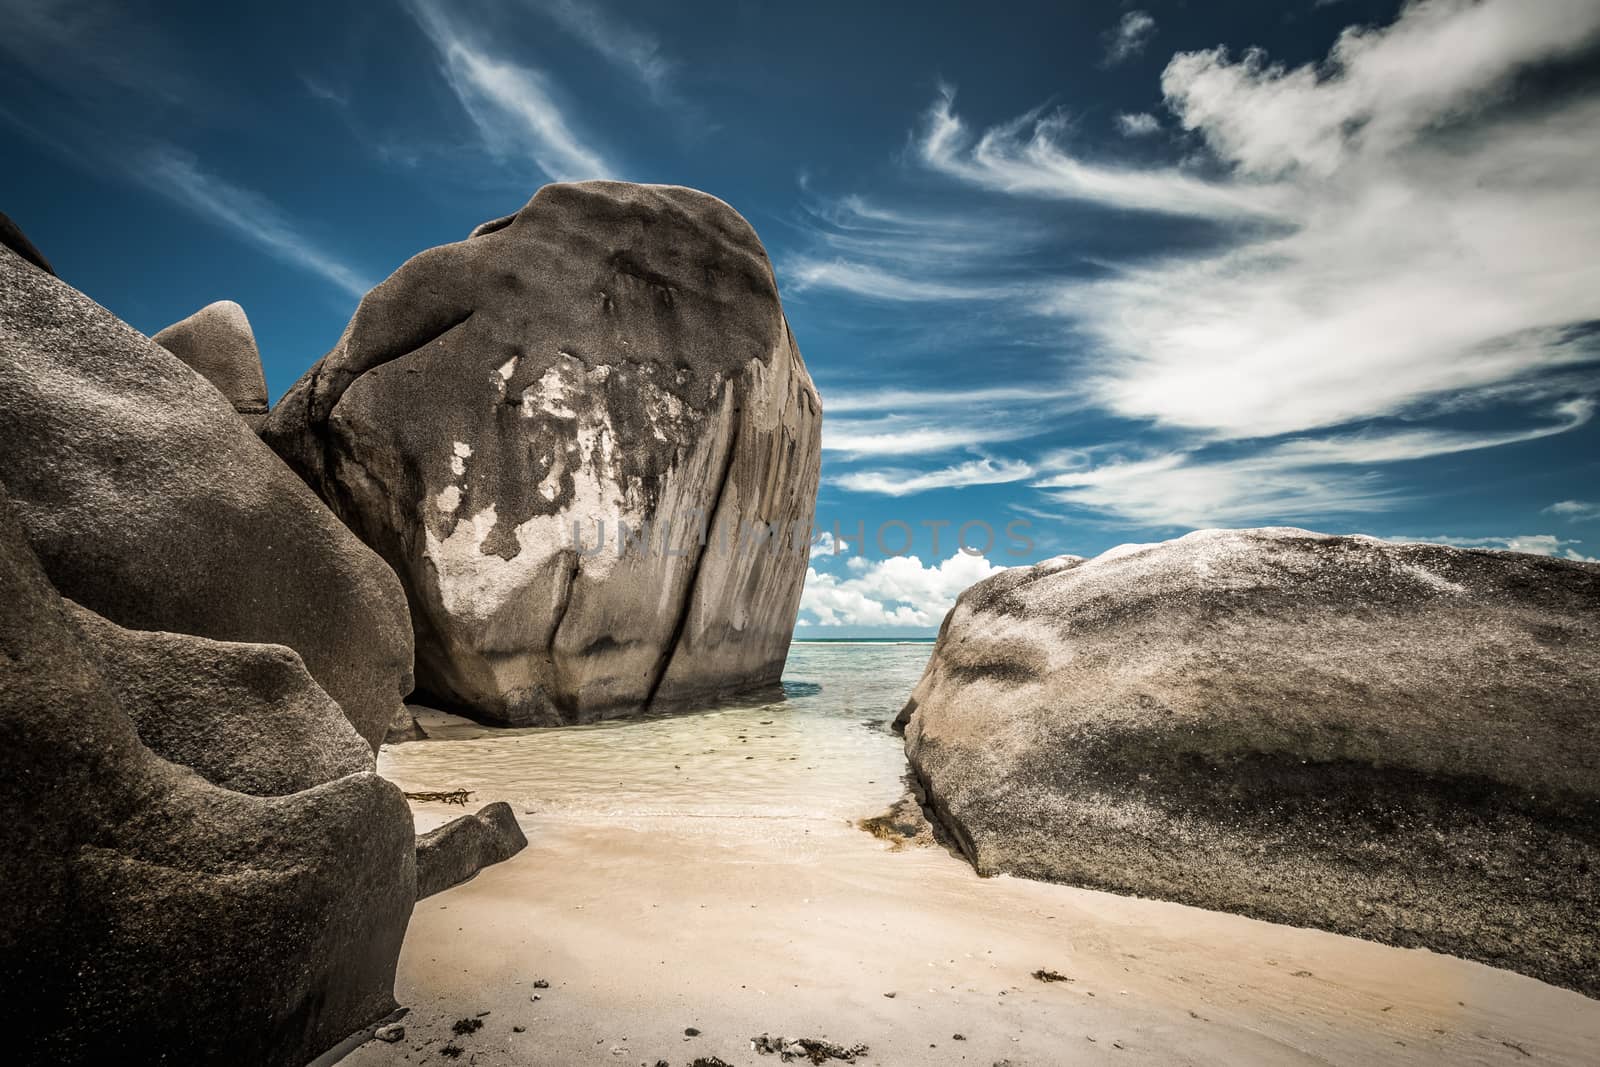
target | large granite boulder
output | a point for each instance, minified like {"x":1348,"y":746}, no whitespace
{"x":611,"y":353}
{"x":1393,"y":741}
{"x":146,"y":914}
{"x":218,"y":344}
{"x":153,"y":505}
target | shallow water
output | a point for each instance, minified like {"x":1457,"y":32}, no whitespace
{"x":823,"y":751}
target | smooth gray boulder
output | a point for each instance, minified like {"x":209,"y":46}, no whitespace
{"x":217,"y":343}
{"x":462,"y":847}
{"x":610,"y":353}
{"x":149,"y":916}
{"x":1397,"y":742}
{"x":150,"y":503}
{"x":245,"y":717}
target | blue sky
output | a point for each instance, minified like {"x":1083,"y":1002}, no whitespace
{"x":1116,"y":270}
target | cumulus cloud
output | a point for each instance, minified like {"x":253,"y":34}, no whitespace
{"x":825,"y":544}
{"x":900,"y":591}
{"x":1132,"y":32}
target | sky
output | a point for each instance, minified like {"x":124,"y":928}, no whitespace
{"x":1109,"y":271}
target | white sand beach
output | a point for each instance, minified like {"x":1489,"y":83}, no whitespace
{"x":706,"y":872}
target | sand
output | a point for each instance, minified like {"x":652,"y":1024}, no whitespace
{"x":720,"y":901}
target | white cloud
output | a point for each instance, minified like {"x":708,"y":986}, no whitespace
{"x":629,"y":48}
{"x":1298,"y":479}
{"x":825,"y":544}
{"x":1140,"y":124}
{"x":903,"y":482}
{"x":805,"y":272}
{"x":1133,"y":31}
{"x":892,"y":592}
{"x":1438,"y":244}
{"x":177,"y":175}
{"x":1417,"y":232}
{"x":1574,"y":510}
{"x":895,"y":435}
{"x":1027,"y":157}
{"x":898,"y":254}
{"x":1395,"y":446}
{"x":846,"y":401}
{"x":512,"y":105}
{"x":1378,"y":90}
{"x":1177,"y":489}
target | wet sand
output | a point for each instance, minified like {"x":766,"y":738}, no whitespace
{"x":706,"y":872}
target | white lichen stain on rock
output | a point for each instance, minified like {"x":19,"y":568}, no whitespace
{"x":479,"y":586}
{"x":550,"y":486}
{"x":549,"y":394}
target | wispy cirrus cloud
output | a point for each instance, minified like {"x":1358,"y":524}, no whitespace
{"x":896,"y":482}
{"x":1178,"y":489}
{"x":1404,"y":232}
{"x":1575,"y":510}
{"x":859,"y":247}
{"x":1423,"y":443}
{"x":95,"y":51}
{"x":850,"y":401}
{"x":513,"y":105}
{"x":110,"y":72}
{"x":1433,"y":236}
{"x":246,"y":213}
{"x":1298,"y":479}
{"x":896,"y":435}
{"x":1028,"y":156}
{"x":628,"y":47}
{"x":802,"y":273}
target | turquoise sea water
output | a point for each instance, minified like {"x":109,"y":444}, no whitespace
{"x":824,"y":750}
